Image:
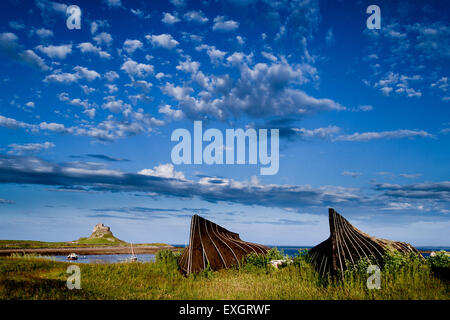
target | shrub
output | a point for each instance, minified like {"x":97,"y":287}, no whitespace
{"x":440,"y":265}
{"x":254,"y":262}
{"x":440,"y":260}
{"x":302,"y":259}
{"x":168,"y":259}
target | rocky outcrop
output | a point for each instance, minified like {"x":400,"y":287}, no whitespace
{"x":100,"y":231}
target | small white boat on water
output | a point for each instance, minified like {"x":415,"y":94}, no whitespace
{"x":72,"y":256}
{"x":133,"y":256}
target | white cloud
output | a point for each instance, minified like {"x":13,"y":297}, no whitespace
{"x":113,"y":3}
{"x":6,"y":201}
{"x":16,"y":25}
{"x":351,"y":174}
{"x":90,"y":112}
{"x":410,"y":175}
{"x":220,"y":24}
{"x":11,"y":123}
{"x":51,"y":6}
{"x":169,"y":18}
{"x":195,"y":16}
{"x":111,"y":88}
{"x":8,"y":43}
{"x":32,"y":59}
{"x":240,"y":40}
{"x":111,"y":76}
{"x":322,"y":133}
{"x":115,"y":106}
{"x":87,"y":74}
{"x":329,"y":37}
{"x":178,"y":3}
{"x":56,"y":127}
{"x":44,"y":33}
{"x":269,"y":56}
{"x":59,"y":52}
{"x":95,"y":25}
{"x":79,"y":103}
{"x":142,"y":84}
{"x":67,"y":78}
{"x":87,"y":47}
{"x":103,"y":38}
{"x":163,"y":40}
{"x":163,"y":171}
{"x":442,"y":84}
{"x":188,"y":66}
{"x":171,"y":113}
{"x":160,"y":75}
{"x":131,"y":46}
{"x":30,"y":147}
{"x":272,"y":93}
{"x":58,"y":76}
{"x":394,"y":82}
{"x":139,"y":13}
{"x":134,"y":69}
{"x":63,"y":96}
{"x":396,"y":134}
{"x":215,"y":55}
{"x":86,"y":89}
{"x":363,"y":108}
{"x":176,"y":92}
{"x":107,"y":130}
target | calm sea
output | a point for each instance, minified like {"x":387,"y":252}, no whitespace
{"x":106,"y":258}
{"x":114,"y":258}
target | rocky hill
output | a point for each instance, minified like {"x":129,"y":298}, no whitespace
{"x":100,"y":230}
{"x":101,"y":234}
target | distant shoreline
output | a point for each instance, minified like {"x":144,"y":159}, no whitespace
{"x":87,"y":250}
{"x":138,"y":249}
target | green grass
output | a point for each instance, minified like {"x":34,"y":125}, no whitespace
{"x":105,"y":239}
{"x":38,"y":278}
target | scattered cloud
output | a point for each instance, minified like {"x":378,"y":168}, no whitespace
{"x":87,"y":47}
{"x":103,"y":38}
{"x":163,"y":171}
{"x":221,"y":24}
{"x":131,"y":46}
{"x":113,"y":3}
{"x":10,"y":47}
{"x":134,"y":69}
{"x":29,"y":147}
{"x":6,"y":201}
{"x":56,"y":52}
{"x":170,"y":18}
{"x":410,"y":175}
{"x":351,"y":174}
{"x":163,"y":40}
{"x":195,"y":16}
{"x":395,"y":134}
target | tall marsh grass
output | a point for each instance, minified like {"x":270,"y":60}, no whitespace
{"x":402,"y":277}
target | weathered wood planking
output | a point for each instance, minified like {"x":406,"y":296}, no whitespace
{"x":212,"y":244}
{"x":347,"y":243}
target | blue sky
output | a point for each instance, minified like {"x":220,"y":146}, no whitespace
{"x":86,"y":118}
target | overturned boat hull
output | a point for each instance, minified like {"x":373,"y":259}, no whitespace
{"x":213,"y":245}
{"x":347,"y":243}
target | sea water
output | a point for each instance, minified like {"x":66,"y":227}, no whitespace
{"x":106,"y":258}
{"x":291,"y":251}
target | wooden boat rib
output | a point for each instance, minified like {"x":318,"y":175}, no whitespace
{"x":348,"y":244}
{"x":212,"y":244}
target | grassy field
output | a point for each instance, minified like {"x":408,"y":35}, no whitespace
{"x":401,"y":278}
